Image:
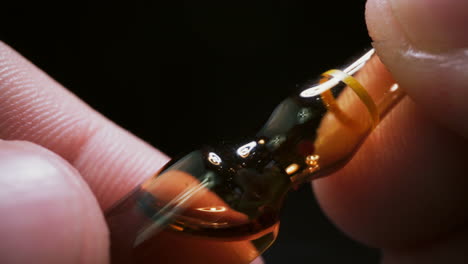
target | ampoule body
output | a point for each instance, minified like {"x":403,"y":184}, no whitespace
{"x":225,"y":199}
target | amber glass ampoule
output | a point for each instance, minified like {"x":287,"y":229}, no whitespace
{"x":222,"y":202}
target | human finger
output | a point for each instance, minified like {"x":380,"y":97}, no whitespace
{"x":49,"y":214}
{"x":404,"y":191}
{"x":424,"y":44}
{"x":35,"y":108}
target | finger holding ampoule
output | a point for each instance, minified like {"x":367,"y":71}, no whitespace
{"x":405,"y":189}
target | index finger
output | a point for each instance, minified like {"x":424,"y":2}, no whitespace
{"x":36,"y":108}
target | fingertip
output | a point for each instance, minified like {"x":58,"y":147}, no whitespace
{"x":48,"y":213}
{"x":411,"y":39}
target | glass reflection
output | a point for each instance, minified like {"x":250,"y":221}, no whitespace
{"x":214,"y":159}
{"x":244,"y":151}
{"x":215,"y":209}
{"x":292,"y":168}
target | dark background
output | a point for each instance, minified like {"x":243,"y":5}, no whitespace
{"x":183,"y":73}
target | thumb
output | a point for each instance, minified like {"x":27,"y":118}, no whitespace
{"x":48,"y":213}
{"x":424,"y":44}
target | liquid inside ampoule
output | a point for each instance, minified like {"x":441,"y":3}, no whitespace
{"x":223,"y":202}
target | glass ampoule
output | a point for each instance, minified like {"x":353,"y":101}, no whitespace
{"x":223,"y":201}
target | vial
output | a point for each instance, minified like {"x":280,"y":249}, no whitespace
{"x":223,"y":201}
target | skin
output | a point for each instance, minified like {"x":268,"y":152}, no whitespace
{"x":404,"y":192}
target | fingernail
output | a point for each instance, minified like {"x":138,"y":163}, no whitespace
{"x":433,"y":25}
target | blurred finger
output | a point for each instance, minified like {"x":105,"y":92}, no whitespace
{"x":406,"y":184}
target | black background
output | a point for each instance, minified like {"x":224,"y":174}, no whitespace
{"x":184,"y":73}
